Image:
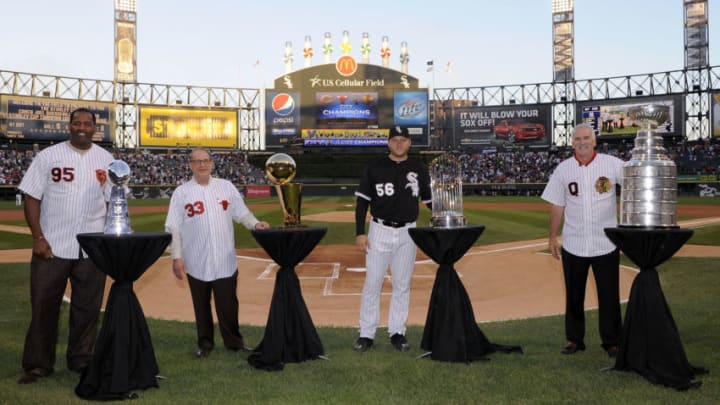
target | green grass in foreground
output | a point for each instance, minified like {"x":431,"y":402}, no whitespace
{"x":541,"y":375}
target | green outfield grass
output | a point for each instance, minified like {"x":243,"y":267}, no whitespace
{"x":501,"y":225}
{"x":541,"y":375}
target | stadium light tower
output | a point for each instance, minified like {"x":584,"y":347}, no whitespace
{"x":563,"y":66}
{"x":125,"y":41}
{"x":696,"y":61}
{"x":563,"y":59}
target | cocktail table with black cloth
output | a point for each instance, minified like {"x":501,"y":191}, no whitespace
{"x":650,"y":344}
{"x":290,"y":335}
{"x":451,"y":332}
{"x":124,"y":358}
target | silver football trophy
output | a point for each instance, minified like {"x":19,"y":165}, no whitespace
{"x":280,"y":169}
{"x":648,"y":196}
{"x":118,"y":221}
{"x":446,"y":187}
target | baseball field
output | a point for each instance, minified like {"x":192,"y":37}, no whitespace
{"x":515,"y":287}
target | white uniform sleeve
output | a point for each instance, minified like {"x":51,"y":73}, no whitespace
{"x":554,"y":192}
{"x":173,"y":223}
{"x":35,"y":179}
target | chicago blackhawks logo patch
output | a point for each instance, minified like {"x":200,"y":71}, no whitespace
{"x":603,"y":185}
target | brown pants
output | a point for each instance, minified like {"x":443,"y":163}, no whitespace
{"x":48,"y":279}
{"x":224,"y":292}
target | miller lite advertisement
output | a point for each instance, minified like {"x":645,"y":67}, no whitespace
{"x":411,"y":108}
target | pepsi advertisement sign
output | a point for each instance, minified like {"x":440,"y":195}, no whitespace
{"x":283,"y":109}
{"x":410,"y":108}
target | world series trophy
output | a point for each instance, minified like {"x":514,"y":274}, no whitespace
{"x":648,"y":196}
{"x":446,"y":189}
{"x":280,"y":169}
{"x":118,"y":221}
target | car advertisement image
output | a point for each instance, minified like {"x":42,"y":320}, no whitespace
{"x":502,"y":125}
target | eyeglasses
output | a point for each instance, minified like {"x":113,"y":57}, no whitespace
{"x":201,"y":161}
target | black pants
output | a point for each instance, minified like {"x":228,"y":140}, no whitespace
{"x":607,"y":279}
{"x":224,"y":291}
{"x":48,"y":279}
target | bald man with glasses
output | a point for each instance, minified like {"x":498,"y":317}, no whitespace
{"x":200,"y":220}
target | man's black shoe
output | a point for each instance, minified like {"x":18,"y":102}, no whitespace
{"x":612,"y":351}
{"x":33,"y":375}
{"x":242,"y":348}
{"x":399,"y":342}
{"x":572,"y":348}
{"x":202,"y":353}
{"x":362,"y":344}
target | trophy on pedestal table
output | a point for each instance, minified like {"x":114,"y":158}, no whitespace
{"x":446,"y":188}
{"x":280,"y":169}
{"x":118,"y":222}
{"x":649,"y":191}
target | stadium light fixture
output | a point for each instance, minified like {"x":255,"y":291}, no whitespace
{"x":126,"y":5}
{"x":562,"y":6}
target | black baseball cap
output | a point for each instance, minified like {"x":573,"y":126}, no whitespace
{"x":399,"y":131}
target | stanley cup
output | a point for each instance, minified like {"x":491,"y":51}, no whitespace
{"x":649,"y":191}
{"x":118,"y":222}
{"x":446,"y":188}
{"x":280,"y":169}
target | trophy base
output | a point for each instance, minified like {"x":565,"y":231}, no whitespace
{"x":448,"y":222}
{"x":649,"y":227}
{"x":292,"y":226}
{"x":118,"y":229}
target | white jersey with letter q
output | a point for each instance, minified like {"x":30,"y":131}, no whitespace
{"x":588,"y":194}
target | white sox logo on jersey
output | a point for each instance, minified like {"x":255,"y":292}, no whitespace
{"x":413,"y":183}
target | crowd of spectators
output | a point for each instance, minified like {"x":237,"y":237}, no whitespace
{"x":171,"y":168}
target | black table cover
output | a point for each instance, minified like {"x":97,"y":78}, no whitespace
{"x":650,"y":344}
{"x":290,"y":335}
{"x":124,"y":358}
{"x":451,"y":332}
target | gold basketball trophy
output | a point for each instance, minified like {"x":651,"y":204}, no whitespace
{"x":280,"y":169}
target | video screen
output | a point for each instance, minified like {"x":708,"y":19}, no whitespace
{"x":358,"y":109}
{"x":623,"y":118}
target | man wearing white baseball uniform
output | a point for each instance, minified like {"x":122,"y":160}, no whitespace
{"x":582,"y":193}
{"x":66,"y":190}
{"x":391,"y":188}
{"x":200,"y":220}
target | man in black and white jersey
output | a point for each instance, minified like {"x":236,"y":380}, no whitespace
{"x":391,"y":187}
{"x":66,"y":190}
{"x":582,"y":193}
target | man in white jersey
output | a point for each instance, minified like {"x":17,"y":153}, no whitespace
{"x":200,"y":220}
{"x":66,"y":190}
{"x":582,"y":193}
{"x":391,"y":187}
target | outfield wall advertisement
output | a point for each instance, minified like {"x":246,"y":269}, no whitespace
{"x":188,"y":127}
{"x":529,"y":125}
{"x":46,"y":119}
